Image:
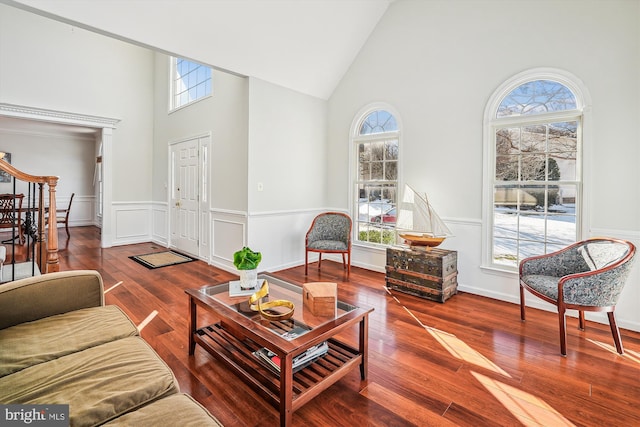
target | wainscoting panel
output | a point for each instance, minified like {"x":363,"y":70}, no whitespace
{"x":159,"y":223}
{"x":132,"y":223}
{"x":82,"y":209}
{"x":628,"y":308}
{"x":280,"y":237}
{"x":205,"y":235}
{"x":228,"y":231}
{"x":504,"y":286}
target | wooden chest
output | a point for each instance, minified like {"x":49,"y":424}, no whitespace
{"x":431,"y":274}
{"x":320,"y":298}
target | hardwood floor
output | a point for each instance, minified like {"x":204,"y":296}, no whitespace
{"x":467,"y":362}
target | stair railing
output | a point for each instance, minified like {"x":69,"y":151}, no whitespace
{"x":45,"y":248}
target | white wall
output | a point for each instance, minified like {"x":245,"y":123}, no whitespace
{"x":51,"y":65}
{"x":70,"y":157}
{"x":287,"y":157}
{"x":224,"y":115}
{"x":261,"y":133}
{"x":438,"y":62}
{"x":287,"y":148}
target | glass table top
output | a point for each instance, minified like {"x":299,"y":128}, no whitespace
{"x":302,"y":320}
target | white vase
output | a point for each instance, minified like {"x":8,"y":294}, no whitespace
{"x":248,"y":279}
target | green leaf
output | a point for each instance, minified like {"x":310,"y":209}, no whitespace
{"x":246,"y":259}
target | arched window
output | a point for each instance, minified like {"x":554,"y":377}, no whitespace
{"x":533,"y":178}
{"x":375,"y":182}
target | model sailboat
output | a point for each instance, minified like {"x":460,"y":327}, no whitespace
{"x":418,"y":223}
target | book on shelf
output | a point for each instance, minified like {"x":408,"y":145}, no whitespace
{"x":295,"y":332}
{"x":272,"y":360}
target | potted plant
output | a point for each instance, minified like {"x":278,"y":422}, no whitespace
{"x":246,"y":261}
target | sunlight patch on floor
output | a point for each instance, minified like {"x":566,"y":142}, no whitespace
{"x":527,"y":408}
{"x":148,"y":319}
{"x":112,"y":287}
{"x":411,"y":411}
{"x":458,"y":348}
{"x":461,"y":350}
{"x":628,"y":354}
{"x":633,"y":355}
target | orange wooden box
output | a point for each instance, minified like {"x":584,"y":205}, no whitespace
{"x":320,"y":298}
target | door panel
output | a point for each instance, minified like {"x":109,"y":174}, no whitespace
{"x":184,"y":197}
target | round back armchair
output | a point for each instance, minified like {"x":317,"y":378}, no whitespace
{"x":330,"y":232}
{"x":586,"y":276}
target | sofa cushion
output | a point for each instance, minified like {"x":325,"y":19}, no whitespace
{"x":176,"y":410}
{"x":46,"y":339}
{"x":99,"y":383}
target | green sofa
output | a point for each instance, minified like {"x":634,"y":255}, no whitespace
{"x":60,"y":344}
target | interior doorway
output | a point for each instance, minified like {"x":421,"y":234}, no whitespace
{"x":52,"y":122}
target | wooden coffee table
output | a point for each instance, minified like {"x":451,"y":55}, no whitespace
{"x":239,"y":332}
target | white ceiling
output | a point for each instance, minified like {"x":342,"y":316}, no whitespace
{"x":304,"y":45}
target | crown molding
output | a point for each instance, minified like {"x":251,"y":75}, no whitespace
{"x":24,"y":112}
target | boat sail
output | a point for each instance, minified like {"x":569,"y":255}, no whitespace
{"x":417,"y":222}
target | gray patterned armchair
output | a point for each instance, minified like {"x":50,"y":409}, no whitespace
{"x":586,"y":276}
{"x":330,"y":232}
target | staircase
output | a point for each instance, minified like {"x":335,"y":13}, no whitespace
{"x":30,"y":218}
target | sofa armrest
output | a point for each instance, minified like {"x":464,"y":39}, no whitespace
{"x":42,"y":296}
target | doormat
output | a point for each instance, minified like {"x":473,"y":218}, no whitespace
{"x":161,"y":259}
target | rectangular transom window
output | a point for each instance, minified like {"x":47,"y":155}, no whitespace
{"x":190,"y":82}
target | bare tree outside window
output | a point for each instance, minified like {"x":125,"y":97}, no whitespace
{"x":536,"y":185}
{"x":377,"y":178}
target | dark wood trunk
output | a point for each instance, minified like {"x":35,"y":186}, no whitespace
{"x":430,"y":273}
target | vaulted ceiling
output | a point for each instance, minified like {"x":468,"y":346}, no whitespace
{"x":304,"y":45}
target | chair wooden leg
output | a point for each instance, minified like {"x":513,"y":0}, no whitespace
{"x":581,"y":320}
{"x":522,"y":317}
{"x":66,"y":227}
{"x":319,"y":260}
{"x":563,"y":330}
{"x":348,"y":264}
{"x":615,"y":332}
{"x":306,"y":262}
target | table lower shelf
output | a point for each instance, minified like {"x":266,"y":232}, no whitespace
{"x":307,"y":383}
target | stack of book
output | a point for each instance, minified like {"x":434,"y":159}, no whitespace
{"x":271,"y":360}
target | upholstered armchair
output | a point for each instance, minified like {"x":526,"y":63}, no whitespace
{"x":586,"y":276}
{"x":330,"y":232}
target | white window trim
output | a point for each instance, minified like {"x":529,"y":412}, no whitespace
{"x":583,"y":110}
{"x":354,"y":136}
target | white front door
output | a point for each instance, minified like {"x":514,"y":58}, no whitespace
{"x":184,"y":198}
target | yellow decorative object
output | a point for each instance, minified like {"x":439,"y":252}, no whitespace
{"x":254,"y":303}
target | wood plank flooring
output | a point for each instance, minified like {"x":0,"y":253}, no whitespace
{"x":468,"y":362}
